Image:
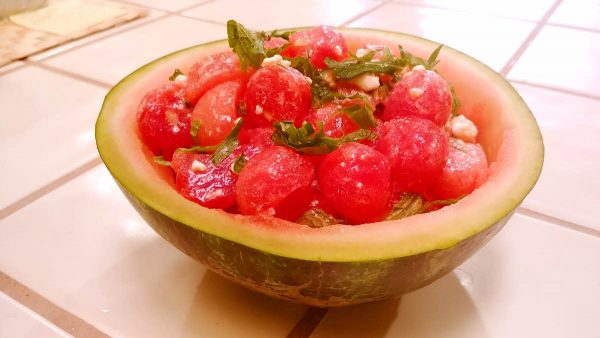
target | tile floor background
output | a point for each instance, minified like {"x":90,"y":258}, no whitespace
{"x":67,"y":233}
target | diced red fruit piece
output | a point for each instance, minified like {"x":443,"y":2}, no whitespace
{"x":164,"y":120}
{"x":216,"y":112}
{"x":275,"y":42}
{"x":199,"y":180}
{"x":277,"y":180}
{"x":336,"y":123}
{"x":276,"y":93}
{"x":465,"y":170}
{"x":421,"y":93}
{"x":211,"y":71}
{"x":298,"y":44}
{"x":318,"y":44}
{"x":417,"y":151}
{"x":326,"y":43}
{"x":355,"y":180}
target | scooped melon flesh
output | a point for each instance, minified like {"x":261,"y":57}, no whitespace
{"x":340,"y":264}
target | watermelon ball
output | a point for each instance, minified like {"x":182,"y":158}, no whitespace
{"x":325,"y":43}
{"x":216,"y":112}
{"x":253,"y":141}
{"x":422,"y":93}
{"x":355,"y":180}
{"x":164,"y":120}
{"x":465,"y":170}
{"x":199,"y":180}
{"x":277,"y":181}
{"x":276,"y":93}
{"x":298,"y":44}
{"x":416,"y":149}
{"x":211,"y":71}
{"x":336,"y":123}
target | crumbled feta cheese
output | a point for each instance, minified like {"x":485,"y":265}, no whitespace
{"x":419,"y":68}
{"x":198,"y":166}
{"x":258,"y":110}
{"x":328,"y":77}
{"x":276,"y":60}
{"x":338,"y":51}
{"x":214,"y":194}
{"x":415,"y":92}
{"x":361,"y":52}
{"x":342,"y":164}
{"x":308,"y":79}
{"x":271,"y":211}
{"x":359,"y":185}
{"x":181,"y":79}
{"x":462,"y":128}
{"x":366,"y":81}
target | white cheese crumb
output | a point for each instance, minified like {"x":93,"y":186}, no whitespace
{"x":359,"y":185}
{"x":328,"y":77}
{"x":361,"y":52}
{"x":366,"y":81}
{"x":214,"y":194}
{"x":276,"y":60}
{"x":415,"y":92}
{"x":258,"y":109}
{"x":338,"y":51}
{"x":198,"y":166}
{"x":342,"y":164}
{"x":308,"y":79}
{"x":181,"y":79}
{"x":462,"y":128}
{"x":419,"y":68}
{"x":271,"y":211}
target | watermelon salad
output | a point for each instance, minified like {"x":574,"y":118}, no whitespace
{"x":295,"y":125}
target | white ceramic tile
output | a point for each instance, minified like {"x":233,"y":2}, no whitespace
{"x":518,"y":9}
{"x":167,"y":5}
{"x":46,"y":129}
{"x":562,"y":58}
{"x":568,"y":188}
{"x":86,"y":249}
{"x":111,"y":59}
{"x":151,"y":15}
{"x":17,"y":321}
{"x":578,"y":13}
{"x":267,"y":15}
{"x":534,"y":279}
{"x":490,"y":39}
{"x":11,"y":66}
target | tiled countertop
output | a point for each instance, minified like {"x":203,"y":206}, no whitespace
{"x":76,"y":259}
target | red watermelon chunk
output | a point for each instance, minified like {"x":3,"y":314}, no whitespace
{"x":422,"y":93}
{"x":164,"y":120}
{"x":276,"y":93}
{"x":465,"y":170}
{"x":416,"y":149}
{"x":277,"y":181}
{"x":355,"y":180}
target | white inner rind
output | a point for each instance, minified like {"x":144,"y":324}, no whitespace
{"x":509,"y":134}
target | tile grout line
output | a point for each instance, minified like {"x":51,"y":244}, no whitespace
{"x":556,"y":89}
{"x":558,"y":222}
{"x":534,"y":33}
{"x":308,"y":323}
{"x":360,"y":15}
{"x":72,"y":75}
{"x":48,"y":310}
{"x":572,"y":27}
{"x":48,"y":188}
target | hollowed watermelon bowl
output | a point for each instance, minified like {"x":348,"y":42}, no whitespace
{"x":336,"y":265}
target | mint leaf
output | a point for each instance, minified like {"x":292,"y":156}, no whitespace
{"x":307,"y":140}
{"x":161,"y":161}
{"x":351,"y":68}
{"x":198,"y":149}
{"x":228,"y":145}
{"x":317,"y":218}
{"x":408,"y":205}
{"x":276,"y":34}
{"x":194,"y":130}
{"x":455,"y":101}
{"x":247,"y":44}
{"x":175,"y":74}
{"x":239,"y":164}
{"x":362,"y":115}
{"x":411,"y":61}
